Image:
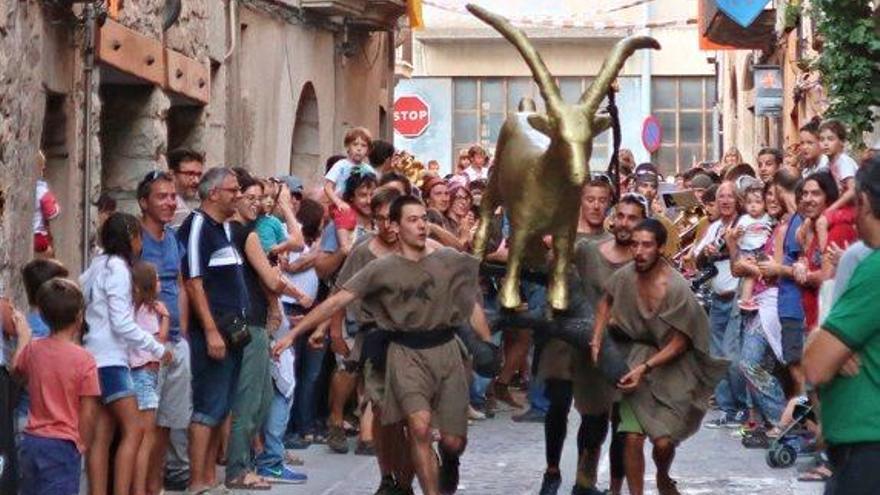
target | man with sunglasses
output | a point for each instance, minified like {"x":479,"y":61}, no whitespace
{"x":187,"y":166}
{"x":157,"y":199}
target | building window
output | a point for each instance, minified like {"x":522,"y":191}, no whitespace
{"x":480,"y":106}
{"x":684,"y":107}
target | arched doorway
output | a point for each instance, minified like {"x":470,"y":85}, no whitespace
{"x":305,"y":157}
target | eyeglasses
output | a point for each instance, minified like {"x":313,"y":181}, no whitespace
{"x":189,"y":173}
{"x":251,"y":198}
{"x":640,"y":198}
{"x":155,"y":175}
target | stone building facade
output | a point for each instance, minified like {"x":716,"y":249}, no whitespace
{"x":270,"y":85}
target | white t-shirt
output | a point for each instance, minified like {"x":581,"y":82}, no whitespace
{"x":724,"y":282}
{"x":306,"y":281}
{"x":821,"y":164}
{"x":340,"y":172}
{"x":843,"y":168}
{"x":757,"y":231}
{"x":474,"y":174}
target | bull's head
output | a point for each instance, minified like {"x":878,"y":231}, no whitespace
{"x":570,"y":127}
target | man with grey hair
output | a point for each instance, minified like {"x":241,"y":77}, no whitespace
{"x":213,"y":273}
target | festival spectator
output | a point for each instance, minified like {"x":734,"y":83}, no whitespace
{"x":811,"y":157}
{"x":277,"y":238}
{"x":463,"y":163}
{"x":187,"y":167}
{"x":750,"y":237}
{"x":357,"y":147}
{"x":62,"y":379}
{"x":381,"y":154}
{"x":479,"y":164}
{"x":461,"y":223}
{"x":434,"y":167}
{"x":832,"y":139}
{"x":725,"y":336}
{"x":397,"y":181}
{"x":8,"y":392}
{"x":153,"y":317}
{"x":769,"y":161}
{"x":841,"y":359}
{"x":45,"y":210}
{"x":732,"y":157}
{"x":113,"y":333}
{"x":352,"y":224}
{"x":157,"y":199}
{"x":214,"y":279}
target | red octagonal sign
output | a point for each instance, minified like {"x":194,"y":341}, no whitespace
{"x":412,"y":116}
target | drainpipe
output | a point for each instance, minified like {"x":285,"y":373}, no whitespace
{"x":91,"y":21}
{"x":646,"y":67}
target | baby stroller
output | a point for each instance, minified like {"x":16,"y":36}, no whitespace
{"x":784,"y":449}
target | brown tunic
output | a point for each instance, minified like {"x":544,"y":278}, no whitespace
{"x":402,"y":295}
{"x":673,"y":398}
{"x":556,"y":360}
{"x":355,"y":316}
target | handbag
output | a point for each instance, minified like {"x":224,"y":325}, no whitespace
{"x":233,"y":328}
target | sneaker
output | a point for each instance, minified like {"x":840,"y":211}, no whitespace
{"x":530,"y":416}
{"x":551,"y":483}
{"x":448,"y":475}
{"x":282,"y":476}
{"x":337,"y":440}
{"x":296,"y":442}
{"x":475,"y":415}
{"x":365,"y":448}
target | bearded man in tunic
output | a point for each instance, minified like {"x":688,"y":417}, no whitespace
{"x":418,"y":297}
{"x":663,"y":333}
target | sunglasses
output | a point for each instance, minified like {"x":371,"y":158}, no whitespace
{"x":640,"y":198}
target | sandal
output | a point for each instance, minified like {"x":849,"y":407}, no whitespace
{"x":820,"y":473}
{"x":249,"y":481}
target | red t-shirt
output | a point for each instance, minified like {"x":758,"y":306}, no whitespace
{"x":841,"y":231}
{"x":344,"y":221}
{"x":58,"y":374}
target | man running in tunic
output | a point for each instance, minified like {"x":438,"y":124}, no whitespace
{"x":663,"y":333}
{"x":418,"y":297}
{"x":393,"y":461}
{"x":568,"y":371}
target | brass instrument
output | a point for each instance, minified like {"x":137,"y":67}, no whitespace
{"x":687,"y":224}
{"x":406,"y":164}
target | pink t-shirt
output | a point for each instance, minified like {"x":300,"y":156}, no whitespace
{"x":148,"y":320}
{"x":58,"y":373}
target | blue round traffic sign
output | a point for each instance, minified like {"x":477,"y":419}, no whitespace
{"x":652,"y":134}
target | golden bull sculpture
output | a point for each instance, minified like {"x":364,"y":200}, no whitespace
{"x":542,"y":162}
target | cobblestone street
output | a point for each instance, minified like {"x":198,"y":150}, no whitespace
{"x":506,"y":458}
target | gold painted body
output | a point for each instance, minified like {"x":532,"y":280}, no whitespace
{"x":538,"y":179}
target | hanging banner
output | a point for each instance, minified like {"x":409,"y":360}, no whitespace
{"x":743,"y":12}
{"x":768,"y":90}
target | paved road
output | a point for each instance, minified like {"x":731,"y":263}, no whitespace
{"x":505,"y":458}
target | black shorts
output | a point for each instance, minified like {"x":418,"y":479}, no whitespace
{"x":792,"y":340}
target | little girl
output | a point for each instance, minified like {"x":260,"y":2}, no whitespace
{"x":153,"y":317}
{"x":753,"y":228}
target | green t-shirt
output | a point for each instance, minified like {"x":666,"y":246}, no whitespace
{"x":851,"y":405}
{"x":271,"y":232}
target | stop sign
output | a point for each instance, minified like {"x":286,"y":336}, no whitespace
{"x":411,"y":116}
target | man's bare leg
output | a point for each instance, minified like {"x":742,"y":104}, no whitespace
{"x":199,"y":438}
{"x":451,"y":448}
{"x":403,"y":464}
{"x":663,"y":454}
{"x":342,"y":384}
{"x":424,"y":460}
{"x":634,"y":463}
{"x":219,"y":438}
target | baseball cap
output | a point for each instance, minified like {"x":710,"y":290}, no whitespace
{"x":701,"y":181}
{"x":293,"y":183}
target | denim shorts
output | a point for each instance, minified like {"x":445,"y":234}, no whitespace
{"x":49,"y":465}
{"x":115,"y":383}
{"x":213,"y":382}
{"x":146,"y":387}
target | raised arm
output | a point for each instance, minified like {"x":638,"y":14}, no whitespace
{"x":322,"y":312}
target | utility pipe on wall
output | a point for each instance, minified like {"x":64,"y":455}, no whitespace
{"x":91,"y":20}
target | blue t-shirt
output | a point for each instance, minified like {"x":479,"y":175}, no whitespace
{"x":165,"y":255}
{"x":209,"y":254}
{"x":39,"y":328}
{"x":789,"y":302}
{"x":329,"y":241}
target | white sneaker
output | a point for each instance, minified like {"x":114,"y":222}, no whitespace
{"x":475,"y":415}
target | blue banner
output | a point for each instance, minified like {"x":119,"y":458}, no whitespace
{"x":743,"y":12}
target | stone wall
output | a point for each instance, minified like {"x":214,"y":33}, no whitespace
{"x":22,"y":105}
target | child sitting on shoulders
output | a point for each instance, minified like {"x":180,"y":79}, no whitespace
{"x":358,"y":142}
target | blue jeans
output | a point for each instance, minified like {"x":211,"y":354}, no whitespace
{"x":757,"y":364}
{"x":726,"y":342}
{"x":536,"y":297}
{"x":272,"y":456}
{"x":309,"y":364}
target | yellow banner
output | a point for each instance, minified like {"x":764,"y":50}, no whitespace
{"x":414,"y":12}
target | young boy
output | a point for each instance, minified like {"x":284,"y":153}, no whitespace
{"x":62,"y":379}
{"x":357,"y":146}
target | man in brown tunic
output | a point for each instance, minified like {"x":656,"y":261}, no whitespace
{"x":418,"y":296}
{"x":663,"y":333}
